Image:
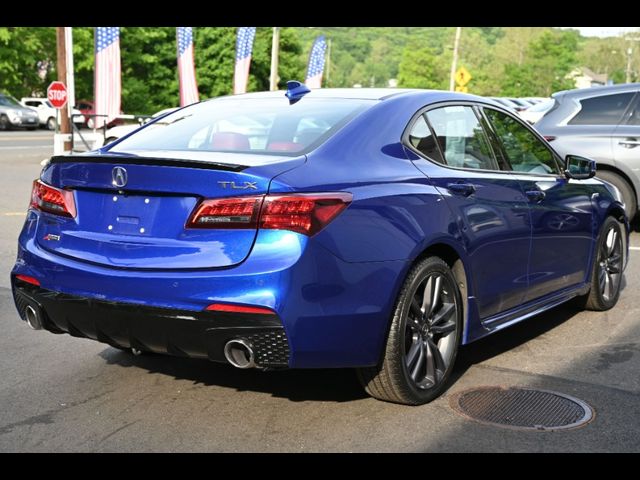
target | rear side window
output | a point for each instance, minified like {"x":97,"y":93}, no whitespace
{"x":423,"y":140}
{"x":604,"y":110}
{"x":262,"y":125}
{"x":525,"y":152}
{"x":461,"y":138}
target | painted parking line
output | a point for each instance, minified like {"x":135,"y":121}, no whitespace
{"x":13,"y":214}
{"x":25,"y":147}
{"x":634,"y":248}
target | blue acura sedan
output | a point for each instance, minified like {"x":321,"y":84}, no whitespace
{"x":365,"y":228}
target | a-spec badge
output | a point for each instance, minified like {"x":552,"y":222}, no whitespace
{"x":51,"y":236}
{"x":238,"y":186}
{"x":118,"y":177}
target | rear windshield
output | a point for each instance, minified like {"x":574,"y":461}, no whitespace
{"x":262,"y":126}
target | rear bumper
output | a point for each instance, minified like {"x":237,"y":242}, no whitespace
{"x":183,"y":333}
{"x":335,"y":313}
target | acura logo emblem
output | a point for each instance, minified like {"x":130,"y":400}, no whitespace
{"x":119,"y":177}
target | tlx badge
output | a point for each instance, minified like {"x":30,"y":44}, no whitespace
{"x":237,"y":186}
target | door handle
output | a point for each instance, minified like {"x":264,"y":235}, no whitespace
{"x":535,"y":195}
{"x":464,"y":189}
{"x":629,"y":142}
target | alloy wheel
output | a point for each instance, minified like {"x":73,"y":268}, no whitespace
{"x":610,"y":264}
{"x":430,"y":331}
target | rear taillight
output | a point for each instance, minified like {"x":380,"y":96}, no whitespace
{"x":306,"y":213}
{"x":303,"y":213}
{"x":240,"y":212}
{"x":52,"y":200}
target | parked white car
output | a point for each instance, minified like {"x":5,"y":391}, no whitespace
{"x":46,"y":112}
{"x":121,"y":130}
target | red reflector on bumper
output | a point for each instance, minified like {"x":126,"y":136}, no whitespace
{"x":28,"y":279}
{"x":221,"y":307}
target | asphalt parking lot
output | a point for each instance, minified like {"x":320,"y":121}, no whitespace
{"x":63,"y":394}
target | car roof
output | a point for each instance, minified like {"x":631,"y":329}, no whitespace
{"x":596,"y":91}
{"x":380,"y":94}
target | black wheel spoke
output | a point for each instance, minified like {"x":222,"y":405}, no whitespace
{"x":419,"y":363}
{"x":443,"y":314}
{"x":431,"y":371}
{"x":439,"y":363}
{"x":415,"y":308}
{"x":412,"y":355}
{"x":444,"y":329}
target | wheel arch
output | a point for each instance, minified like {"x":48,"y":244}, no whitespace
{"x":454,"y":256}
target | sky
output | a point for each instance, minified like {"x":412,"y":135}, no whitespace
{"x":604,"y":31}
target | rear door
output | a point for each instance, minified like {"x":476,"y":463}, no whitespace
{"x":488,"y":205}
{"x":560,"y":209}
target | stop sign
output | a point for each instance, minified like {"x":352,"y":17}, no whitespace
{"x":57,"y":94}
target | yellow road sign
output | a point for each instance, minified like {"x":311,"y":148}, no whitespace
{"x":462,"y":89}
{"x":463,"y":76}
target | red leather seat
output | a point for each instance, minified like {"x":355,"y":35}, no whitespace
{"x":284,"y":147}
{"x":230,"y":141}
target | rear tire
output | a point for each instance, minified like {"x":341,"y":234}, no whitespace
{"x":606,"y":273}
{"x":423,"y":338}
{"x":51,"y":123}
{"x":628,"y":195}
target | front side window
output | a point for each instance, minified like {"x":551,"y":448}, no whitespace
{"x":461,"y":138}
{"x":604,"y":110}
{"x":525,"y":152}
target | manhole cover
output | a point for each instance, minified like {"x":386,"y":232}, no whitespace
{"x":522,"y":408}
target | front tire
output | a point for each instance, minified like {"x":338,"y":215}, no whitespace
{"x":423,"y":338}
{"x":606,"y":273}
{"x":4,"y":123}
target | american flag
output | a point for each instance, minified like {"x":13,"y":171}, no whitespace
{"x":107,"y":74}
{"x":244,"y":46}
{"x":186,"y":68}
{"x":316,"y":63}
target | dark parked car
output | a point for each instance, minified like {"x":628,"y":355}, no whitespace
{"x":602,"y":123}
{"x":15,"y":115}
{"x":368,"y":228}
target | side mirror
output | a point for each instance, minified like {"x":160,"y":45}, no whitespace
{"x":579,"y":168}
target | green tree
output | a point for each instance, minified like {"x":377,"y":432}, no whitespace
{"x":549,"y":61}
{"x":27,"y":59}
{"x":419,"y":68}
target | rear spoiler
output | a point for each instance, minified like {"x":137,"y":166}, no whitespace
{"x":134,"y":160}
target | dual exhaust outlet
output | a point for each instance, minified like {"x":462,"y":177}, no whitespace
{"x":238,"y":351}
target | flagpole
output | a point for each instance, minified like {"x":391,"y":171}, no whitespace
{"x":275,"y":47}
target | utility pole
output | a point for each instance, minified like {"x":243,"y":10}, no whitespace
{"x":275,"y":47}
{"x":629,"y":52}
{"x":454,"y":63}
{"x":61,"y":50}
{"x":328,"y":62}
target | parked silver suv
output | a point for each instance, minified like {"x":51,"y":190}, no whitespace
{"x":602,"y":123}
{"x":12,"y":114}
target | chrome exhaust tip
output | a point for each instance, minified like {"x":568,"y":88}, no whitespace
{"x":136,"y":352}
{"x":239,"y":353}
{"x":32,"y":318}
